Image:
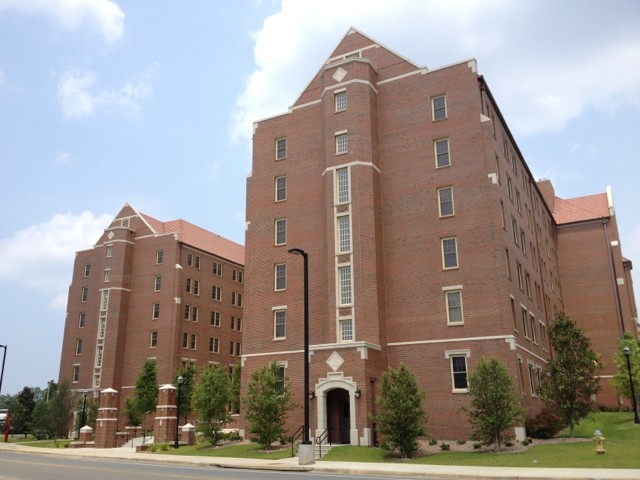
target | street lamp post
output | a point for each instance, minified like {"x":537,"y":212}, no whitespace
{"x":4,"y":357}
{"x":305,"y":433}
{"x":627,"y":354}
{"x":176,"y":444}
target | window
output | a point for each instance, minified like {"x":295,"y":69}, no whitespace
{"x":185,"y":340}
{"x":232,"y":345}
{"x":513,"y":314}
{"x":281,"y":189}
{"x":75,"y":376}
{"x":523,"y":313}
{"x":344,"y":234}
{"x":523,"y":242}
{"x":532,"y":328}
{"x":197,"y":262}
{"x":196,"y":287}
{"x":104,"y":300}
{"x":215,"y":319}
{"x":453,"y":300}
{"x":78,"y":346}
{"x":233,"y":298}
{"x":159,"y":257}
{"x":281,"y":231}
{"x":156,"y":311}
{"x":102,"y":326}
{"x":239,"y":324}
{"x":188,"y":285}
{"x":233,"y":323}
{"x":520,"y":373}
{"x":508,"y":261}
{"x":279,"y":323}
{"x":240,"y":277}
{"x":85,"y":294}
{"x":509,"y":187}
{"x":187,"y":312}
{"x":518,"y":204}
{"x":279,"y":387}
{"x":445,"y":201}
{"x":189,"y":259}
{"x":81,"y":319}
{"x":344,"y":275}
{"x":238,"y":347}
{"x":346,"y":330}
{"x":458,"y":363}
{"x":217,"y":269}
{"x":342,"y":185}
{"x":157,"y":283}
{"x":239,"y":301}
{"x":449,"y":253}
{"x":514,"y":230}
{"x":532,"y":376}
{"x":96,"y":380}
{"x":193,"y":341}
{"x":519,"y":272}
{"x":280,"y":274}
{"x":342,"y":143}
{"x":502,"y":214}
{"x":99,"y":352}
{"x":216,"y":293}
{"x":107,"y":275}
{"x":214,"y":345}
{"x":153,"y":341}
{"x":439,"y":107}
{"x":442,"y":153}
{"x":340,"y":101}
{"x":87,"y":269}
{"x":281,"y":148}
{"x":527,"y":283}
{"x":109,"y":251}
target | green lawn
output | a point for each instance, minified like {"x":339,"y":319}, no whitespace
{"x":621,"y":444}
{"x":251,"y":450}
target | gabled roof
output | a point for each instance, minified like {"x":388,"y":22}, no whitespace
{"x":580,"y":209}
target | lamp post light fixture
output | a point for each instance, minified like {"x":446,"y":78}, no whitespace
{"x":176,"y":443}
{"x":305,"y":432}
{"x":4,"y":357}
{"x":627,"y":354}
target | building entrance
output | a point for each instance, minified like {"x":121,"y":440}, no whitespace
{"x":339,"y":416}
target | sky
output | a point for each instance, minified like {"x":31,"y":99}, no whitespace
{"x":104,"y":102}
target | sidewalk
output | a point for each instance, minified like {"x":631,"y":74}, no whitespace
{"x":396,"y":470}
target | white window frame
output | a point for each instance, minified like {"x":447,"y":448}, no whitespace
{"x":439,"y":108}
{"x":82,"y":319}
{"x":75,"y":374}
{"x":342,"y":185}
{"x":104,"y":300}
{"x":345,"y":285}
{"x":450,"y":355}
{"x":280,"y":274}
{"x":280,"y":227}
{"x":109,"y":251}
{"x":448,"y":291}
{"x":216,"y":293}
{"x":281,"y":148}
{"x":215,"y":318}
{"x":107,"y":275}
{"x":342,"y":142}
{"x":442,"y":202}
{"x":282,"y":312}
{"x":280,"y":188}
{"x":84,"y":294}
{"x":157,"y":283}
{"x":99,"y":355}
{"x":79,"y":346}
{"x":343,"y":234}
{"x":159,"y":257}
{"x":87,"y":269}
{"x":444,"y":253}
{"x":155,"y":311}
{"x":153,"y":339}
{"x":442,"y":141}
{"x":346,"y":325}
{"x":340,"y":100}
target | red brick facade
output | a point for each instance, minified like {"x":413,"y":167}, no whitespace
{"x":407,"y":184}
{"x":145,"y":291}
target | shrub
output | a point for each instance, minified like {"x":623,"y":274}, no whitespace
{"x":461,"y":442}
{"x":477,"y":445}
{"x":433,"y":441}
{"x":526,"y":442}
{"x":546,"y":424}
{"x":508,"y":443}
{"x":445,"y":447}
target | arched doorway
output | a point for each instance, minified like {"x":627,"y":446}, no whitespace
{"x":339,"y":416}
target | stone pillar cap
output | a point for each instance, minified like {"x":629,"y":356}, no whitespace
{"x":86,"y":428}
{"x":109,"y":390}
{"x":168,"y":386}
{"x":188,"y":426}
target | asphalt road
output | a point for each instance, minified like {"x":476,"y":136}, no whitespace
{"x":30,"y":466}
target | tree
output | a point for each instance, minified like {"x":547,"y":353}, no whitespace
{"x":268,"y":401}
{"x":61,"y":409}
{"x":620,"y":380}
{"x":146,"y":396}
{"x":22,"y":410}
{"x":235,"y":388}
{"x":568,"y":380}
{"x":496,"y":405}
{"x":211,"y":397}
{"x":188,"y":374}
{"x":401,"y":418}
{"x":41,"y":425}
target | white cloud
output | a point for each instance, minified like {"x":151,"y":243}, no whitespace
{"x":103,"y":15}
{"x":61,"y":158}
{"x":80,"y":98}
{"x":542,"y":77}
{"x":41,"y":256}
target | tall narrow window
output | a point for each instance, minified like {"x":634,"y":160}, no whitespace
{"x":508,"y":262}
{"x":279,"y":323}
{"x":215,"y":319}
{"x":157,"y":283}
{"x":217,"y":269}
{"x":453,"y":299}
{"x":102,"y":326}
{"x":344,"y":234}
{"x":107,"y":275}
{"x":281,"y":231}
{"x":513,"y":314}
{"x":342,"y":143}
{"x":187,"y":312}
{"x":84,"y":294}
{"x":156,"y":311}
{"x":214,"y":345}
{"x":104,"y":300}
{"x":281,"y":148}
{"x":153,"y":341}
{"x":344,"y":276}
{"x":449,"y":253}
{"x":445,"y":201}
{"x":532,"y":328}
{"x":439,"y":107}
{"x":216,"y":293}
{"x":459,"y":372}
{"x":81,"y":319}
{"x":341,"y":101}
{"x":109,"y":251}
{"x":196,"y":287}
{"x":75,"y":376}
{"x":280,"y":276}
{"x":159,"y":257}
{"x":99,"y":353}
{"x":519,"y":273}
{"x":525,"y":329}
{"x":342,"y":185}
{"x":188,"y":285}
{"x":87,"y":269}
{"x":193,"y":341}
{"x":442,"y":153}
{"x":281,"y":188}
{"x":346,"y":330}
{"x":78,"y":346}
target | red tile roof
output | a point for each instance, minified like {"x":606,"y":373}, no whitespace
{"x":199,"y":238}
{"x":581,"y":209}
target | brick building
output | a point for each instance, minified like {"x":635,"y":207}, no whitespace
{"x":429,"y":241}
{"x":150,"y":289}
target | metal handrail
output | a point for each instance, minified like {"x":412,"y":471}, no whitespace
{"x":322,"y":437}
{"x":297,"y":434}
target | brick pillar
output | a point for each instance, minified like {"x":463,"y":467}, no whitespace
{"x":188,"y":434}
{"x":164,"y":429}
{"x":86,"y":434}
{"x":107,"y":422}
